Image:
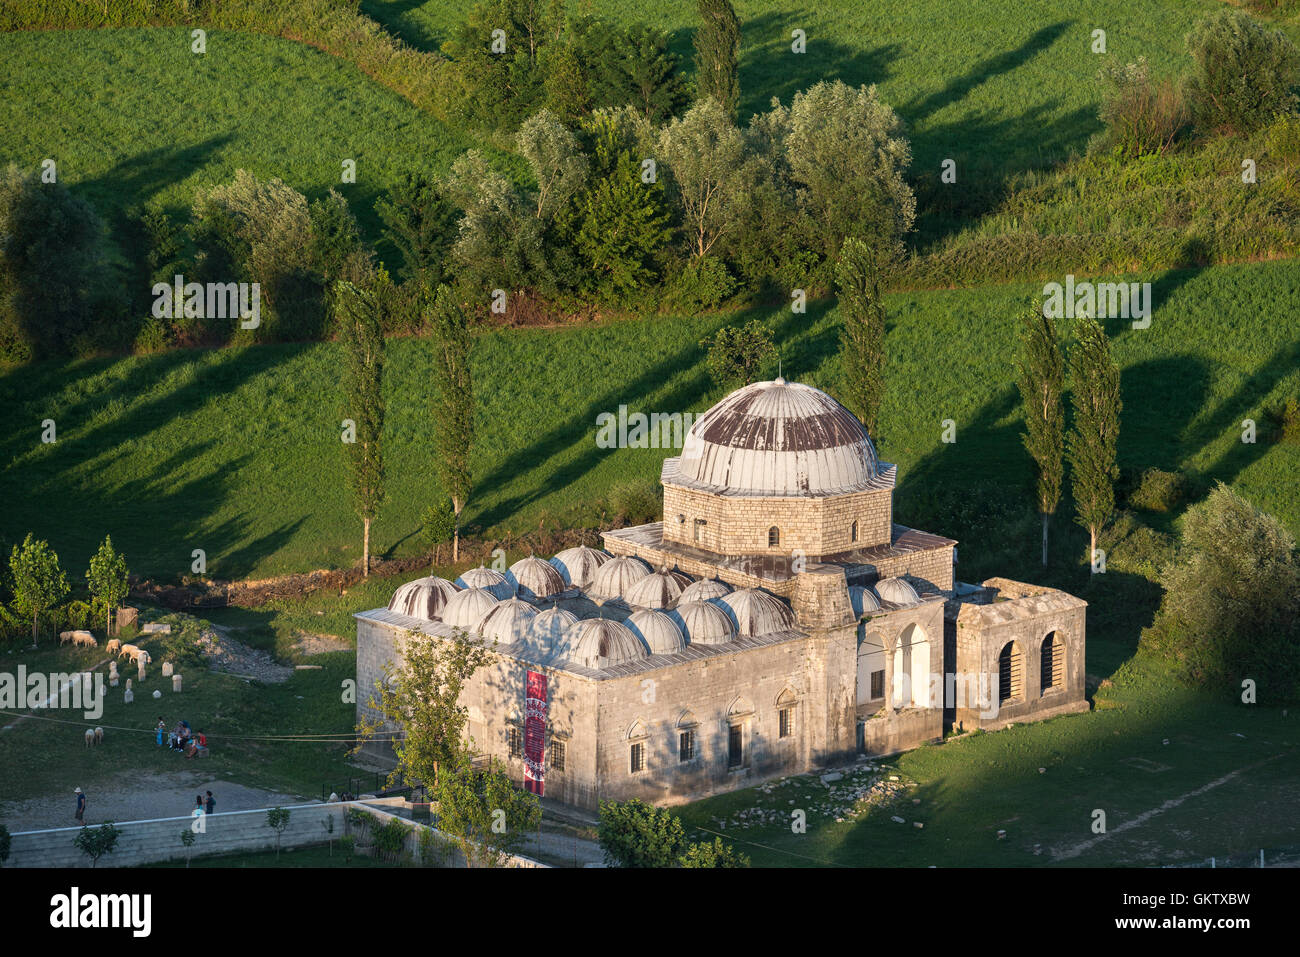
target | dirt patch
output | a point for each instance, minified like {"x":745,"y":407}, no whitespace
{"x":309,"y":643}
{"x":228,"y":655}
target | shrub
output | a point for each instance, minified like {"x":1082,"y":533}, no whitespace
{"x":1285,"y":418}
{"x":1244,"y":72}
{"x":702,"y":283}
{"x":635,"y":503}
{"x":1158,"y":491}
{"x":713,"y":854}
{"x":1134,"y":548}
{"x":738,"y":353}
{"x":636,"y":834}
{"x":1142,"y":116}
{"x":78,"y":615}
{"x":1231,"y":608}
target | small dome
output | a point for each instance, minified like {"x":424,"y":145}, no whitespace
{"x":616,"y":576}
{"x":659,"y":590}
{"x":703,"y":622}
{"x":602,"y":643}
{"x":422,"y":598}
{"x":897,"y":591}
{"x":546,"y":634}
{"x":534,"y":579}
{"x":466,"y":609}
{"x":489,"y":579}
{"x":577,"y":566}
{"x":863,"y":600}
{"x":507,"y":622}
{"x":756,"y":612}
{"x":704,"y":589}
{"x":659,"y":632}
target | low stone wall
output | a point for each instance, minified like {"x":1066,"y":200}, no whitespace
{"x":155,"y":841}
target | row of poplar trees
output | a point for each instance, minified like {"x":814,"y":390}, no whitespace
{"x":1090,"y":446}
{"x":358,"y":314}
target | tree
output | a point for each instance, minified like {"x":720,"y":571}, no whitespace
{"x":422,"y":699}
{"x":556,"y":161}
{"x":1095,"y":402}
{"x":502,"y":74}
{"x":38,"y":582}
{"x":717,"y":53}
{"x":277,"y":819}
{"x":187,"y":841}
{"x":453,"y":403}
{"x":737,"y":353}
{"x":862,"y":341}
{"x":363,"y":397}
{"x":437,"y":524}
{"x":1042,"y":383}
{"x":483,"y":811}
{"x":420,"y":222}
{"x":95,"y":842}
{"x":5,"y":842}
{"x":107,"y":579}
{"x":705,"y":154}
{"x":635,"y":834}
{"x":631,"y":66}
{"x":713,"y":854}
{"x":1231,"y":608}
{"x":1245,"y":72}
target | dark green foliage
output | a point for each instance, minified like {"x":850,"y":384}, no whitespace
{"x":362,"y":336}
{"x":338,"y":251}
{"x":1158,"y":491}
{"x":862,"y":341}
{"x":277,"y":819}
{"x":1042,"y":383}
{"x":738,"y":353}
{"x":717,"y":53}
{"x":1096,"y":405}
{"x":107,"y":580}
{"x":453,"y":402}
{"x":95,"y":842}
{"x":636,"y":834}
{"x":500,"y":88}
{"x":38,"y":582}
{"x":713,"y":854}
{"x":50,"y":265}
{"x":420,"y":222}
{"x":1142,"y":116}
{"x":1245,"y":72}
{"x":438,"y":524}
{"x":629,"y":66}
{"x":484,"y":812}
{"x":702,"y":283}
{"x":1231,"y":609}
{"x":4,"y":843}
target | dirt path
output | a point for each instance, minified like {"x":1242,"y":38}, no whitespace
{"x":138,"y":797}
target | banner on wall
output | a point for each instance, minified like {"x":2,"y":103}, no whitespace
{"x":535,"y":733}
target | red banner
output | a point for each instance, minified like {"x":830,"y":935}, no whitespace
{"x":535,"y":733}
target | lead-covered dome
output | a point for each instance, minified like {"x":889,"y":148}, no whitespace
{"x":507,"y":622}
{"x":897,"y":591}
{"x":546,"y":634}
{"x":423,"y":598}
{"x":704,"y":589}
{"x":776,"y":439}
{"x":602,"y":643}
{"x":616,"y":576}
{"x":578,"y":566}
{"x":489,"y":579}
{"x":703,"y":622}
{"x":659,"y":590}
{"x":863,"y":600}
{"x":756,"y":612}
{"x":466,"y":609}
{"x":659,"y":632}
{"x":534,"y":579}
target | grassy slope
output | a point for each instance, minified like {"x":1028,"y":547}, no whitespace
{"x":132,"y":116}
{"x":237,"y":451}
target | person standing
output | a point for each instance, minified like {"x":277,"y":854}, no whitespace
{"x":81,"y":806}
{"x":211,"y":803}
{"x":198,"y":806}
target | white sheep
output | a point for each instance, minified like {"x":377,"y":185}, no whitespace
{"x":82,"y":638}
{"x":114,"y":646}
{"x":90,"y":737}
{"x":99,"y":735}
{"x":66,"y":636}
{"x":128,"y":651}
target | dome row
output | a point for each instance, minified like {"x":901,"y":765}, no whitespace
{"x":896,"y":591}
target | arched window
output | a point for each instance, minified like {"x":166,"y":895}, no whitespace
{"x":853,"y":532}
{"x":773,"y":536}
{"x":1011,"y":672}
{"x":1052,"y":663}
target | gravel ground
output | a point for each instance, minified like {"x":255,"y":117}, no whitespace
{"x":137,"y":797}
{"x":226,"y":654}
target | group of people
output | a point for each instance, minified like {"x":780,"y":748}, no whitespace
{"x":180,"y":738}
{"x":202,"y":807}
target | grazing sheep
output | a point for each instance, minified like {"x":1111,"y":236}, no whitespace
{"x":83,"y":638}
{"x":99,"y":735}
{"x":138,"y":655}
{"x":66,"y":636}
{"x":90,"y":737}
{"x":114,"y":646}
{"x":127,"y":651}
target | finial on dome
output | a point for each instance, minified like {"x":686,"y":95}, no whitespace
{"x":779,"y":380}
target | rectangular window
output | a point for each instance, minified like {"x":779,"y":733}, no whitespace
{"x":785,"y":721}
{"x":735,"y":747}
{"x":516,"y":743}
{"x":637,"y":762}
{"x":557,"y":755}
{"x":877,"y":685}
{"x":699,"y":526}
{"x":686,"y":746}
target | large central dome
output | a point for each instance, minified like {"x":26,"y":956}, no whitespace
{"x":776,"y":439}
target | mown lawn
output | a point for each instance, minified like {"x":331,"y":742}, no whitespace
{"x":237,"y":451}
{"x":1150,"y":742}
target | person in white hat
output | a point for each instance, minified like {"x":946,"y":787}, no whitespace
{"x":81,"y":806}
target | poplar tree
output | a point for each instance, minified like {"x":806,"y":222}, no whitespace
{"x":1042,"y":384}
{"x":107,"y":580}
{"x":1095,"y":403}
{"x":363,"y":396}
{"x":862,"y":341}
{"x":717,"y":54}
{"x":453,"y":403}
{"x":38,"y":582}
